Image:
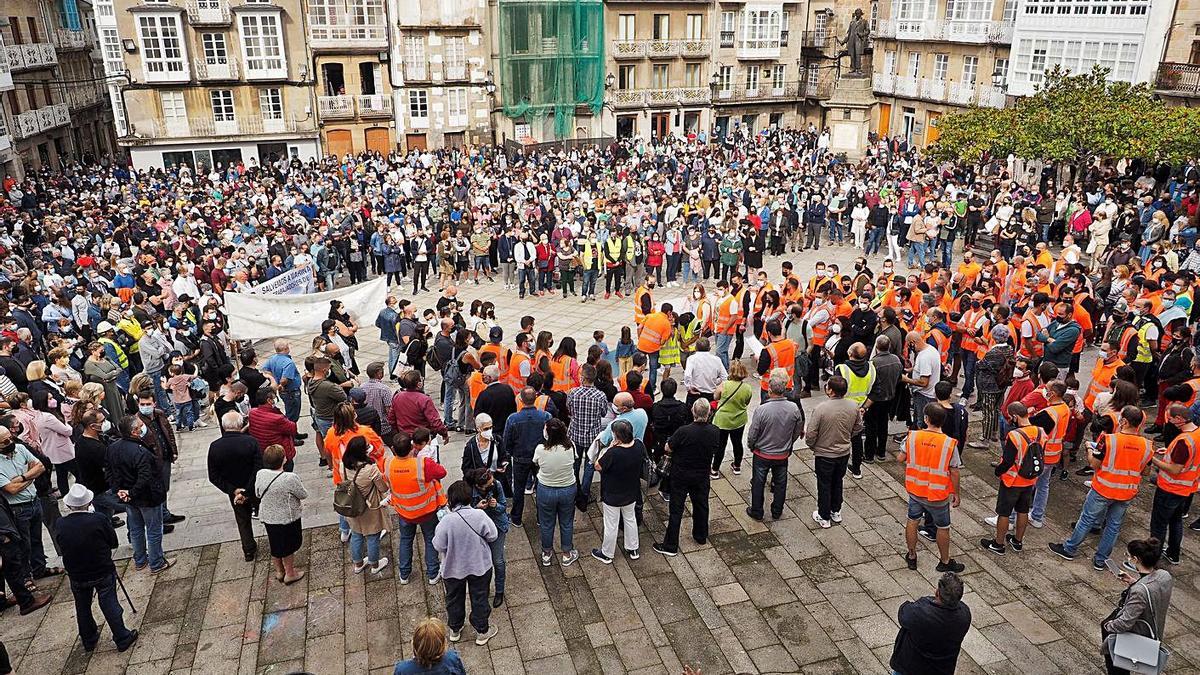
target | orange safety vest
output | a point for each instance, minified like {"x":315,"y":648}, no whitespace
{"x":1194,"y":383}
{"x":539,"y":403}
{"x":475,"y":386}
{"x":1125,"y":456}
{"x":783,"y":355}
{"x":1127,"y":335}
{"x":501,"y":358}
{"x":820,"y":331}
{"x":942,"y":341}
{"x":1184,"y":482}
{"x":561,"y":367}
{"x":726,"y":318}
{"x":927,"y":465}
{"x":625,"y":387}
{"x":1032,"y":347}
{"x":656,"y":328}
{"x":514,"y":378}
{"x":967,"y":324}
{"x":1012,"y":478}
{"x":335,"y":445}
{"x":412,"y":497}
{"x":1061,"y":414}
{"x":537,"y":360}
{"x":1102,"y":375}
{"x":638,"y":315}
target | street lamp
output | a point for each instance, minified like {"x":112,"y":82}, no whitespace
{"x":714,"y":81}
{"x":609,"y":81}
{"x":489,"y":86}
{"x":998,"y":79}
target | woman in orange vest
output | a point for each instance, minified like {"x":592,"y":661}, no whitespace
{"x":565,"y":366}
{"x":345,"y":427}
{"x":542,"y":354}
{"x":416,"y":495}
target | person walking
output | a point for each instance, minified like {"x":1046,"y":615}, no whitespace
{"x":881,"y":400}
{"x":279,"y":494}
{"x":774,"y":428}
{"x":931,"y":466}
{"x":556,"y":489}
{"x":137,"y":481}
{"x":368,"y":527}
{"x":87,"y":540}
{"x":690,"y":450}
{"x":828,"y":434}
{"x":462,"y":538}
{"x":431,"y":652}
{"x":234,"y":460}
{"x":1119,"y":460}
{"x":924,"y":374}
{"x":620,"y":464}
{"x":488,"y":496}
{"x":932,"y":630}
{"x":732,"y":397}
{"x":522,"y":434}
{"x":1144,"y":605}
{"x":416,"y":495}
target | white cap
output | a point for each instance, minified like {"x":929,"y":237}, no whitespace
{"x":78,"y":497}
{"x":104,"y":327}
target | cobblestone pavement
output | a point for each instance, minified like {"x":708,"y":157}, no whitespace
{"x":769,"y":597}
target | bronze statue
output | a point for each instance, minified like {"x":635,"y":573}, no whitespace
{"x":857,"y":36}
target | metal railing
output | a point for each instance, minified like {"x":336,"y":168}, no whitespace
{"x":206,"y":126}
{"x":455,"y":73}
{"x":726,"y":38}
{"x":816,"y":39}
{"x":32,"y":122}
{"x":346,"y":106}
{"x":31,"y":56}
{"x":1178,"y":78}
{"x":514,"y":148}
{"x":373,"y":105}
{"x":222,"y":68}
{"x":335,"y":107}
{"x":940,"y":91}
{"x":977,"y":32}
{"x":758,"y":49}
{"x":207,"y":12}
{"x":766,"y":91}
{"x":344,"y":32}
{"x":415,"y":72}
{"x":85,"y":96}
{"x":822,"y":89}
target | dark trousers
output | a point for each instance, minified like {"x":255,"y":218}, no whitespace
{"x":456,"y":602}
{"x":719,"y":455}
{"x":830,"y":472}
{"x":241,"y":514}
{"x":778,"y":471}
{"x":689,"y":487}
{"x":5,"y":664}
{"x":29,"y":522}
{"x":613,"y":278}
{"x":420,"y":274}
{"x":875,"y":423}
{"x":521,"y":470}
{"x":15,"y":571}
{"x":1166,"y":520}
{"x":856,"y":452}
{"x":710,"y":268}
{"x":105,"y":591}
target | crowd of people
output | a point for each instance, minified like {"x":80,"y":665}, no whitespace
{"x":974,"y":289}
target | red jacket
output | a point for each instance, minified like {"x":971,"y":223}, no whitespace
{"x":268,"y":426}
{"x":654,"y":253}
{"x":412,"y":409}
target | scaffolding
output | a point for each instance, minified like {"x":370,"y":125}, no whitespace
{"x":551,"y":59}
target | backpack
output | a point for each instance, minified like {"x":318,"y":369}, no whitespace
{"x":1004,"y":376}
{"x":1033,"y":463}
{"x":432,"y":357}
{"x":453,"y":371}
{"x":348,"y":500}
{"x":198,"y":388}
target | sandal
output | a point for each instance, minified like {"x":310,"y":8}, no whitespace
{"x":30,"y":586}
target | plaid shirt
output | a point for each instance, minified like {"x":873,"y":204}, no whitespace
{"x":588,"y":406}
{"x":379,"y":397}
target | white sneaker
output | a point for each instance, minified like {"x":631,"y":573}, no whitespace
{"x":434,"y":581}
{"x":382,"y":534}
{"x":403,"y":580}
{"x":379,"y":566}
{"x":359,"y":567}
{"x":1037,"y":523}
{"x":825,"y":524}
{"x":455,"y":635}
{"x":1087,"y":484}
{"x":991,"y":520}
{"x":529,"y":490}
{"x":345,"y":536}
{"x":836,"y":516}
{"x":482,"y":640}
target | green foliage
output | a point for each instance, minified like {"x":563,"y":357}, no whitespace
{"x":1072,"y":118}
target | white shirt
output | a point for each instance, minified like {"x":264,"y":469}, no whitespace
{"x":928,"y":363}
{"x":704,"y":372}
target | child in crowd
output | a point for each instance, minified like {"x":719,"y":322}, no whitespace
{"x":180,"y":386}
{"x":625,"y":350}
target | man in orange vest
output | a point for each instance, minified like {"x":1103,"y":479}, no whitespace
{"x":779,"y":353}
{"x":1178,"y":477}
{"x":416,"y":495}
{"x":656,"y":330}
{"x":1107,"y":363}
{"x":729,"y":317}
{"x":1016,"y":491}
{"x":519,"y":364}
{"x":1119,"y":460}
{"x":931,"y":465}
{"x":1035,"y":320}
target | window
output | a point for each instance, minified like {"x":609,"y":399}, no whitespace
{"x":910,"y":11}
{"x":366,"y":13}
{"x":874,"y":16}
{"x":1010,"y":10}
{"x":813,"y":76}
{"x":1037,"y":65}
{"x":728,"y":22}
{"x":214,"y":48}
{"x":752,"y":78}
{"x":761,"y":26}
{"x":456,"y":52}
{"x":691,"y":75}
{"x":262,"y":44}
{"x":110,"y":45}
{"x":162,"y":51}
{"x":456,"y":105}
{"x":222,"y":105}
{"x":970,"y":74}
{"x":914,"y":64}
{"x":777,"y":76}
{"x":103,"y":8}
{"x":627,"y":77}
{"x":1002,"y":68}
{"x":659,"y":76}
{"x":695,"y":26}
{"x":414,"y":57}
{"x":941,"y":64}
{"x":173,"y":107}
{"x":418,"y":103}
{"x":662,"y":27}
{"x":820,"y":25}
{"x":889,"y":62}
{"x":725,"y":78}
{"x":626,"y":27}
{"x":270,"y":102}
{"x":969,"y":10}
{"x":783,"y":31}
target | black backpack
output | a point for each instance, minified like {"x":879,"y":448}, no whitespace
{"x":1033,"y":463}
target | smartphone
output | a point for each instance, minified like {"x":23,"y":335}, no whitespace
{"x":1114,"y":567}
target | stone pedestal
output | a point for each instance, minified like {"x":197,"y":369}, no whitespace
{"x":848,"y":115}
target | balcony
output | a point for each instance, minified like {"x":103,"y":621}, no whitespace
{"x":697,"y":48}
{"x":84,"y":96}
{"x":208,"y":13}
{"x":624,"y":99}
{"x":415,"y":72}
{"x":455,"y":73}
{"x":821,"y":89}
{"x":662,"y":49}
{"x":629,"y":49}
{"x":6,"y":81}
{"x":940,"y":91}
{"x":628,"y":98}
{"x":906,"y":86}
{"x":220,"y":68}
{"x":884,"y":83}
{"x":726,"y":38}
{"x":933,"y":89}
{"x":5,"y":138}
{"x":67,"y":40}
{"x":31,"y":56}
{"x":1178,"y":79}
{"x":345,"y":34}
{"x":764,"y":92}
{"x":33,"y":122}
{"x":758,"y":49}
{"x":373,"y":105}
{"x":972,"y":32}
{"x":158,"y":129}
{"x":335,"y":107}
{"x":816,"y":39}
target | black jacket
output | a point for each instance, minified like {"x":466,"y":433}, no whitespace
{"x":86,"y":541}
{"x":131,"y":466}
{"x":498,"y":401}
{"x":666,"y":416}
{"x":367,"y":416}
{"x":233,"y":462}
{"x":496,"y":454}
{"x":930,"y":637}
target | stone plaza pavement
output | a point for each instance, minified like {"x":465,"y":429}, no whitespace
{"x":773,"y":597}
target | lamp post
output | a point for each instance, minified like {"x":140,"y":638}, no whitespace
{"x":714,"y":82}
{"x":489,"y":85}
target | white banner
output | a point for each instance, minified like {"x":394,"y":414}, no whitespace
{"x":259,"y":317}
{"x":295,"y":281}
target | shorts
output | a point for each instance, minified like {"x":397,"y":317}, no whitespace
{"x":1010,"y":499}
{"x":482,"y":263}
{"x":940,"y":514}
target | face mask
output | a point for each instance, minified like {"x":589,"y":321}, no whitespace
{"x":1103,"y":354}
{"x":1072,"y":392}
{"x":696,"y":295}
{"x":143,"y":431}
{"x":836,"y":328}
{"x":486,"y":434}
{"x":146,"y":409}
{"x":1017,"y":372}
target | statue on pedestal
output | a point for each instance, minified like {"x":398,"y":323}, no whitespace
{"x":857,"y":36}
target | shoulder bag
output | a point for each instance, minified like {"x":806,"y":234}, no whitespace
{"x":1138,"y":653}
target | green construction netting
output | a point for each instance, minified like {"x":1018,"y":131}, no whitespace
{"x":551,"y":59}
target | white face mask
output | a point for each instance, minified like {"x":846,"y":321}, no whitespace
{"x":486,"y":434}
{"x":1103,"y":354}
{"x":1017,"y":372}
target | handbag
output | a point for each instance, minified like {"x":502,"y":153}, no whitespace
{"x":1138,"y":653}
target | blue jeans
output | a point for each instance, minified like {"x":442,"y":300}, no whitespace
{"x":393,"y":357}
{"x":723,"y":341}
{"x":917,"y":250}
{"x":1041,"y":493}
{"x":105,"y":591}
{"x":689,"y":275}
{"x":526,"y":276}
{"x":946,"y":246}
{"x":875,"y":239}
{"x":145,"y":535}
{"x":408,"y":532}
{"x":499,"y":563}
{"x":356,"y":547}
{"x":291,"y":403}
{"x":589,"y":473}
{"x":344,"y":528}
{"x":322,"y":425}
{"x":835,"y":229}
{"x":969,"y":361}
{"x":29,"y":522}
{"x":546,"y":280}
{"x":160,"y":395}
{"x":1097,"y":509}
{"x":556,"y":504}
{"x":652,"y":371}
{"x":589,"y":283}
{"x":777,"y":468}
{"x":187,"y":413}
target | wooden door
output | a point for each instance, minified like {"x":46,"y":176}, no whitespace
{"x":660,"y":124}
{"x":415,"y":141}
{"x":338,"y":142}
{"x":885,"y":119}
{"x":379,"y":140}
{"x":933,"y":127}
